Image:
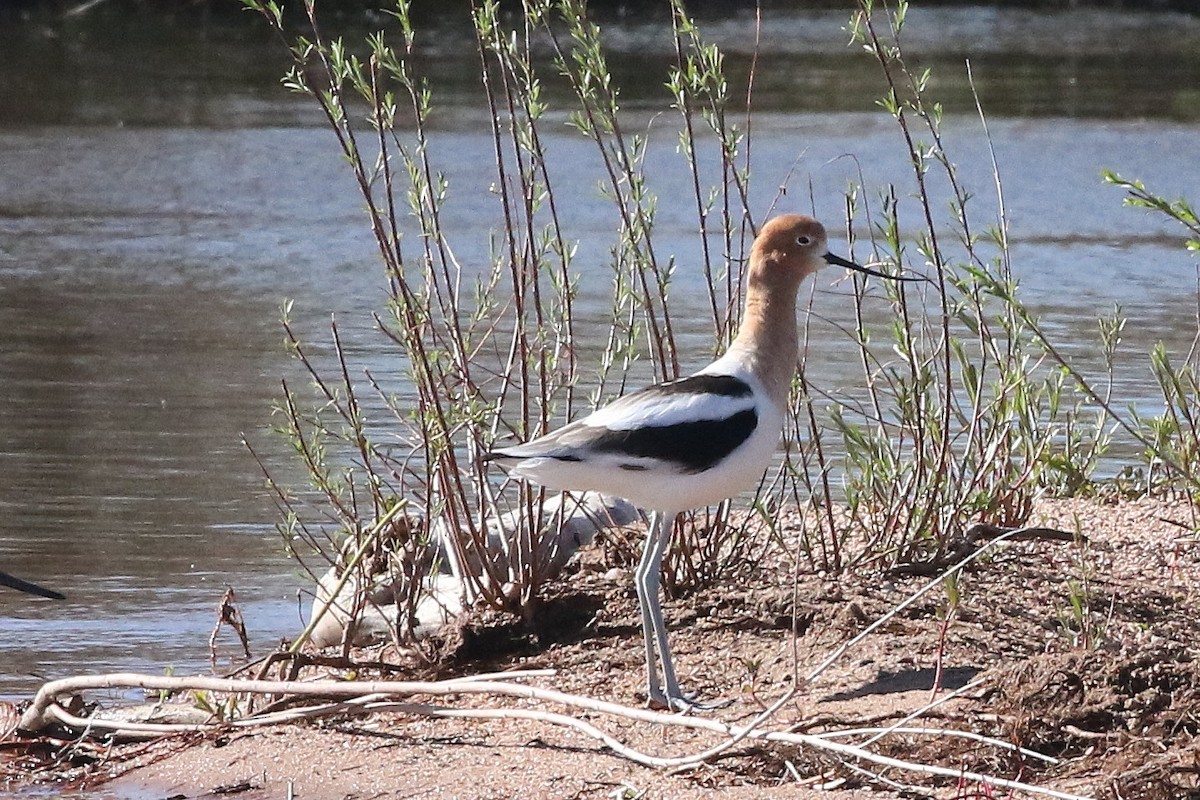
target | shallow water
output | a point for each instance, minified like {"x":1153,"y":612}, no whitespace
{"x":161,"y":196}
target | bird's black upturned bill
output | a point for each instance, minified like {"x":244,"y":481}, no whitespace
{"x":830,"y":258}
{"x":25,"y":586}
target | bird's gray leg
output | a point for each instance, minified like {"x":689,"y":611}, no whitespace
{"x":664,"y":523}
{"x":647,"y":584}
{"x":649,"y":588}
{"x":654,"y":625}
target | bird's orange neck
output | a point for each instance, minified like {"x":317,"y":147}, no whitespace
{"x":768,"y":337}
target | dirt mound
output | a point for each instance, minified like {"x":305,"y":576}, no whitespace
{"x":1136,"y":709}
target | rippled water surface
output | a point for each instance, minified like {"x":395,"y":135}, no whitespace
{"x":161,"y":196}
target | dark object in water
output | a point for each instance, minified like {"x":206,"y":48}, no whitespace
{"x":26,"y":586}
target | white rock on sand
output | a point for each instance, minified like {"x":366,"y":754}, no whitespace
{"x":366,"y":615}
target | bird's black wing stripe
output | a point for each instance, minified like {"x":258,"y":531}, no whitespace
{"x":724,"y":385}
{"x":695,"y":446}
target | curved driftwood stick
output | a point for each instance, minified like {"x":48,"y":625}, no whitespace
{"x":366,"y":696}
{"x":37,"y":716}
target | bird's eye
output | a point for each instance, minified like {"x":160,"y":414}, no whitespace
{"x":803,"y":241}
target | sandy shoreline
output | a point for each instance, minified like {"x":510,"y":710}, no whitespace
{"x":1087,"y":653}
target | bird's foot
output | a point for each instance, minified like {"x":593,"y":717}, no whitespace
{"x":683,"y":704}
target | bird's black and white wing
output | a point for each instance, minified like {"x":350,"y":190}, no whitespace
{"x":685,"y":426}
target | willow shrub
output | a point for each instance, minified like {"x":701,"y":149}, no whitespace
{"x":958,"y":419}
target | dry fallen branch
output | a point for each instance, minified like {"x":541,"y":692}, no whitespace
{"x":368,"y":696}
{"x":977,"y":538}
{"x":360,"y":697}
{"x":357,"y":697}
{"x":228,"y":614}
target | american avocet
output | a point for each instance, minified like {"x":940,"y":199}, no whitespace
{"x":14,"y":582}
{"x":698,"y":440}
